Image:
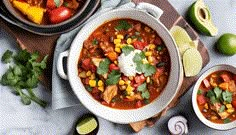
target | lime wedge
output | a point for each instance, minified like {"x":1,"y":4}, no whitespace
{"x":86,"y":125}
{"x":192,"y":62}
{"x":185,"y":46}
{"x":180,"y":35}
{"x":199,"y":15}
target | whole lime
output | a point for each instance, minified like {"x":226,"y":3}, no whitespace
{"x":226,"y":44}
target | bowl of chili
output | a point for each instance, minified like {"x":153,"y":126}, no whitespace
{"x":124,"y":65}
{"x":214,"y":97}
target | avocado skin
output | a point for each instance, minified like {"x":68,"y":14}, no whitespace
{"x":196,"y":22}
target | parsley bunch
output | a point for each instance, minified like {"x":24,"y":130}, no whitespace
{"x":23,"y":76}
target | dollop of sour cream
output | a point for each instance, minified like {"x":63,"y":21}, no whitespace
{"x":126,"y":63}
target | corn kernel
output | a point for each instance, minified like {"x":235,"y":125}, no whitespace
{"x":116,"y":33}
{"x":92,"y":76}
{"x":129,"y":89}
{"x":117,"y":50}
{"x":147,"y":29}
{"x":148,"y":53}
{"x":214,"y":118}
{"x":129,"y":41}
{"x":119,"y":36}
{"x":231,"y":110}
{"x":100,"y":83}
{"x":127,"y":82}
{"x":122,"y":45}
{"x":152,"y":46}
{"x":101,"y":88}
{"x":132,"y":93}
{"x":115,"y":62}
{"x":92,"y":83}
{"x":89,"y":73}
{"x":121,"y":82}
{"x":82,"y":74}
{"x":228,"y":106}
{"x":118,"y":45}
{"x":144,"y":61}
{"x":117,"y":41}
{"x":148,"y":80}
{"x":131,"y":78}
{"x":150,"y":59}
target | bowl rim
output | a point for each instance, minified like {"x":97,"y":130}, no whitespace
{"x":208,"y":123}
{"x":8,"y":5}
{"x":125,"y":116}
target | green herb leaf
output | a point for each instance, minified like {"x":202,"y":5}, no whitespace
{"x":88,"y":88}
{"x":227,"y":96}
{"x":159,"y":48}
{"x":227,"y":120}
{"x":214,"y":100}
{"x":57,"y":3}
{"x":138,"y":57}
{"x":113,"y":77}
{"x":222,"y":108}
{"x":24,"y":99}
{"x":22,"y":57}
{"x":199,"y":92}
{"x":103,"y":66}
{"x":148,"y":69}
{"x":7,"y":56}
{"x":160,"y":64}
{"x":142,"y":87}
{"x":217,"y":92}
{"x":123,"y":25}
{"x":95,"y":42}
{"x":210,"y":94}
{"x":145,"y":94}
{"x":127,"y":49}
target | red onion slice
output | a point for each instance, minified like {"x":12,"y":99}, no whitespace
{"x":177,"y":125}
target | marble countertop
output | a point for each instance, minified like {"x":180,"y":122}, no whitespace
{"x":16,"y":118}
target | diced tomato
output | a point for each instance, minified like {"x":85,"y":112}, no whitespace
{"x":86,"y":63}
{"x":113,"y":67}
{"x":139,"y":79}
{"x":225,"y":77}
{"x":157,"y":41}
{"x":86,"y":81}
{"x":201,"y":99}
{"x":52,"y":4}
{"x":138,"y":104}
{"x":139,"y":45}
{"x":234,"y":103}
{"x":206,"y":83}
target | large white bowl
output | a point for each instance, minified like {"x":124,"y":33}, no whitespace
{"x":194,"y":98}
{"x":139,"y":13}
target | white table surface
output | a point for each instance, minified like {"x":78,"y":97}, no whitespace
{"x":18,"y":119}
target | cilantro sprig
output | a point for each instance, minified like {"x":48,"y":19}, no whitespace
{"x":123,"y":25}
{"x":217,"y":95}
{"x":113,"y":77}
{"x":144,"y":92}
{"x":24,"y":75}
{"x":147,"y":68}
{"x":127,"y":49}
{"x":103,"y":66}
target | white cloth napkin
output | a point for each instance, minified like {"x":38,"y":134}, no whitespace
{"x":62,"y":94}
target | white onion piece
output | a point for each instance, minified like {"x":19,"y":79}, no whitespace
{"x":178,"y":125}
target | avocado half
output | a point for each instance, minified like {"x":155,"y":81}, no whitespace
{"x":200,"y":16}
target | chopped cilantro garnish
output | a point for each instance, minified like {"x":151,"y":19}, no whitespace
{"x":160,"y":64}
{"x":159,"y":48}
{"x":127,"y":49}
{"x":7,"y":56}
{"x":144,"y":92}
{"x":137,"y":33}
{"x":222,"y":108}
{"x":57,"y":3}
{"x":88,"y":88}
{"x":142,"y":87}
{"x":113,"y":77}
{"x":217,"y":92}
{"x":199,"y":92}
{"x":95,"y":42}
{"x":138,"y":57}
{"x":227,"y":96}
{"x":227,"y":120}
{"x":148,"y":69}
{"x":123,"y":25}
{"x":103,"y":66}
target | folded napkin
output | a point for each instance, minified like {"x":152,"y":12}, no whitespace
{"x":62,"y":94}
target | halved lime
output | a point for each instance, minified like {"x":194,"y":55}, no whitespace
{"x":86,"y":125}
{"x":199,"y":14}
{"x":192,"y":62}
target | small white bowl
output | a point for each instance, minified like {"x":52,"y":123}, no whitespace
{"x":210,"y":124}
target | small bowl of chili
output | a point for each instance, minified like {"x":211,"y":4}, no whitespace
{"x":214,"y":97}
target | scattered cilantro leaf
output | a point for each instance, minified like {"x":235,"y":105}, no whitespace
{"x":138,"y":57}
{"x":7,"y":56}
{"x":199,"y":92}
{"x":159,"y":48}
{"x":57,"y":3}
{"x":88,"y":88}
{"x":145,"y":94}
{"x":160,"y":64}
{"x":227,"y":96}
{"x":213,"y":100}
{"x":95,"y":42}
{"x":127,"y":49}
{"x":227,"y":120}
{"x":142,"y":87}
{"x":222,"y":108}
{"x":113,"y":77}
{"x":123,"y":25}
{"x":148,"y":69}
{"x":103,"y":66}
{"x":217,"y":92}
{"x":210,"y":94}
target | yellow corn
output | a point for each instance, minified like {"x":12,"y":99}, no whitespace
{"x":127,"y":82}
{"x":121,"y":82}
{"x":129,"y":89}
{"x":228,"y":106}
{"x":100,"y":83}
{"x":89,"y":73}
{"x":119,"y":36}
{"x":131,"y":77}
{"x":117,"y":50}
{"x":82,"y":74}
{"x":101,"y":88}
{"x":214,"y":118}
{"x":231,"y":110}
{"x":92,"y":76}
{"x":118,"y":45}
{"x":117,"y":41}
{"x":129,"y":41}
{"x":92,"y":83}
{"x":152,"y":46}
{"x":148,"y":79}
{"x":148,"y":53}
{"x":115,"y":62}
{"x":150,"y":59}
